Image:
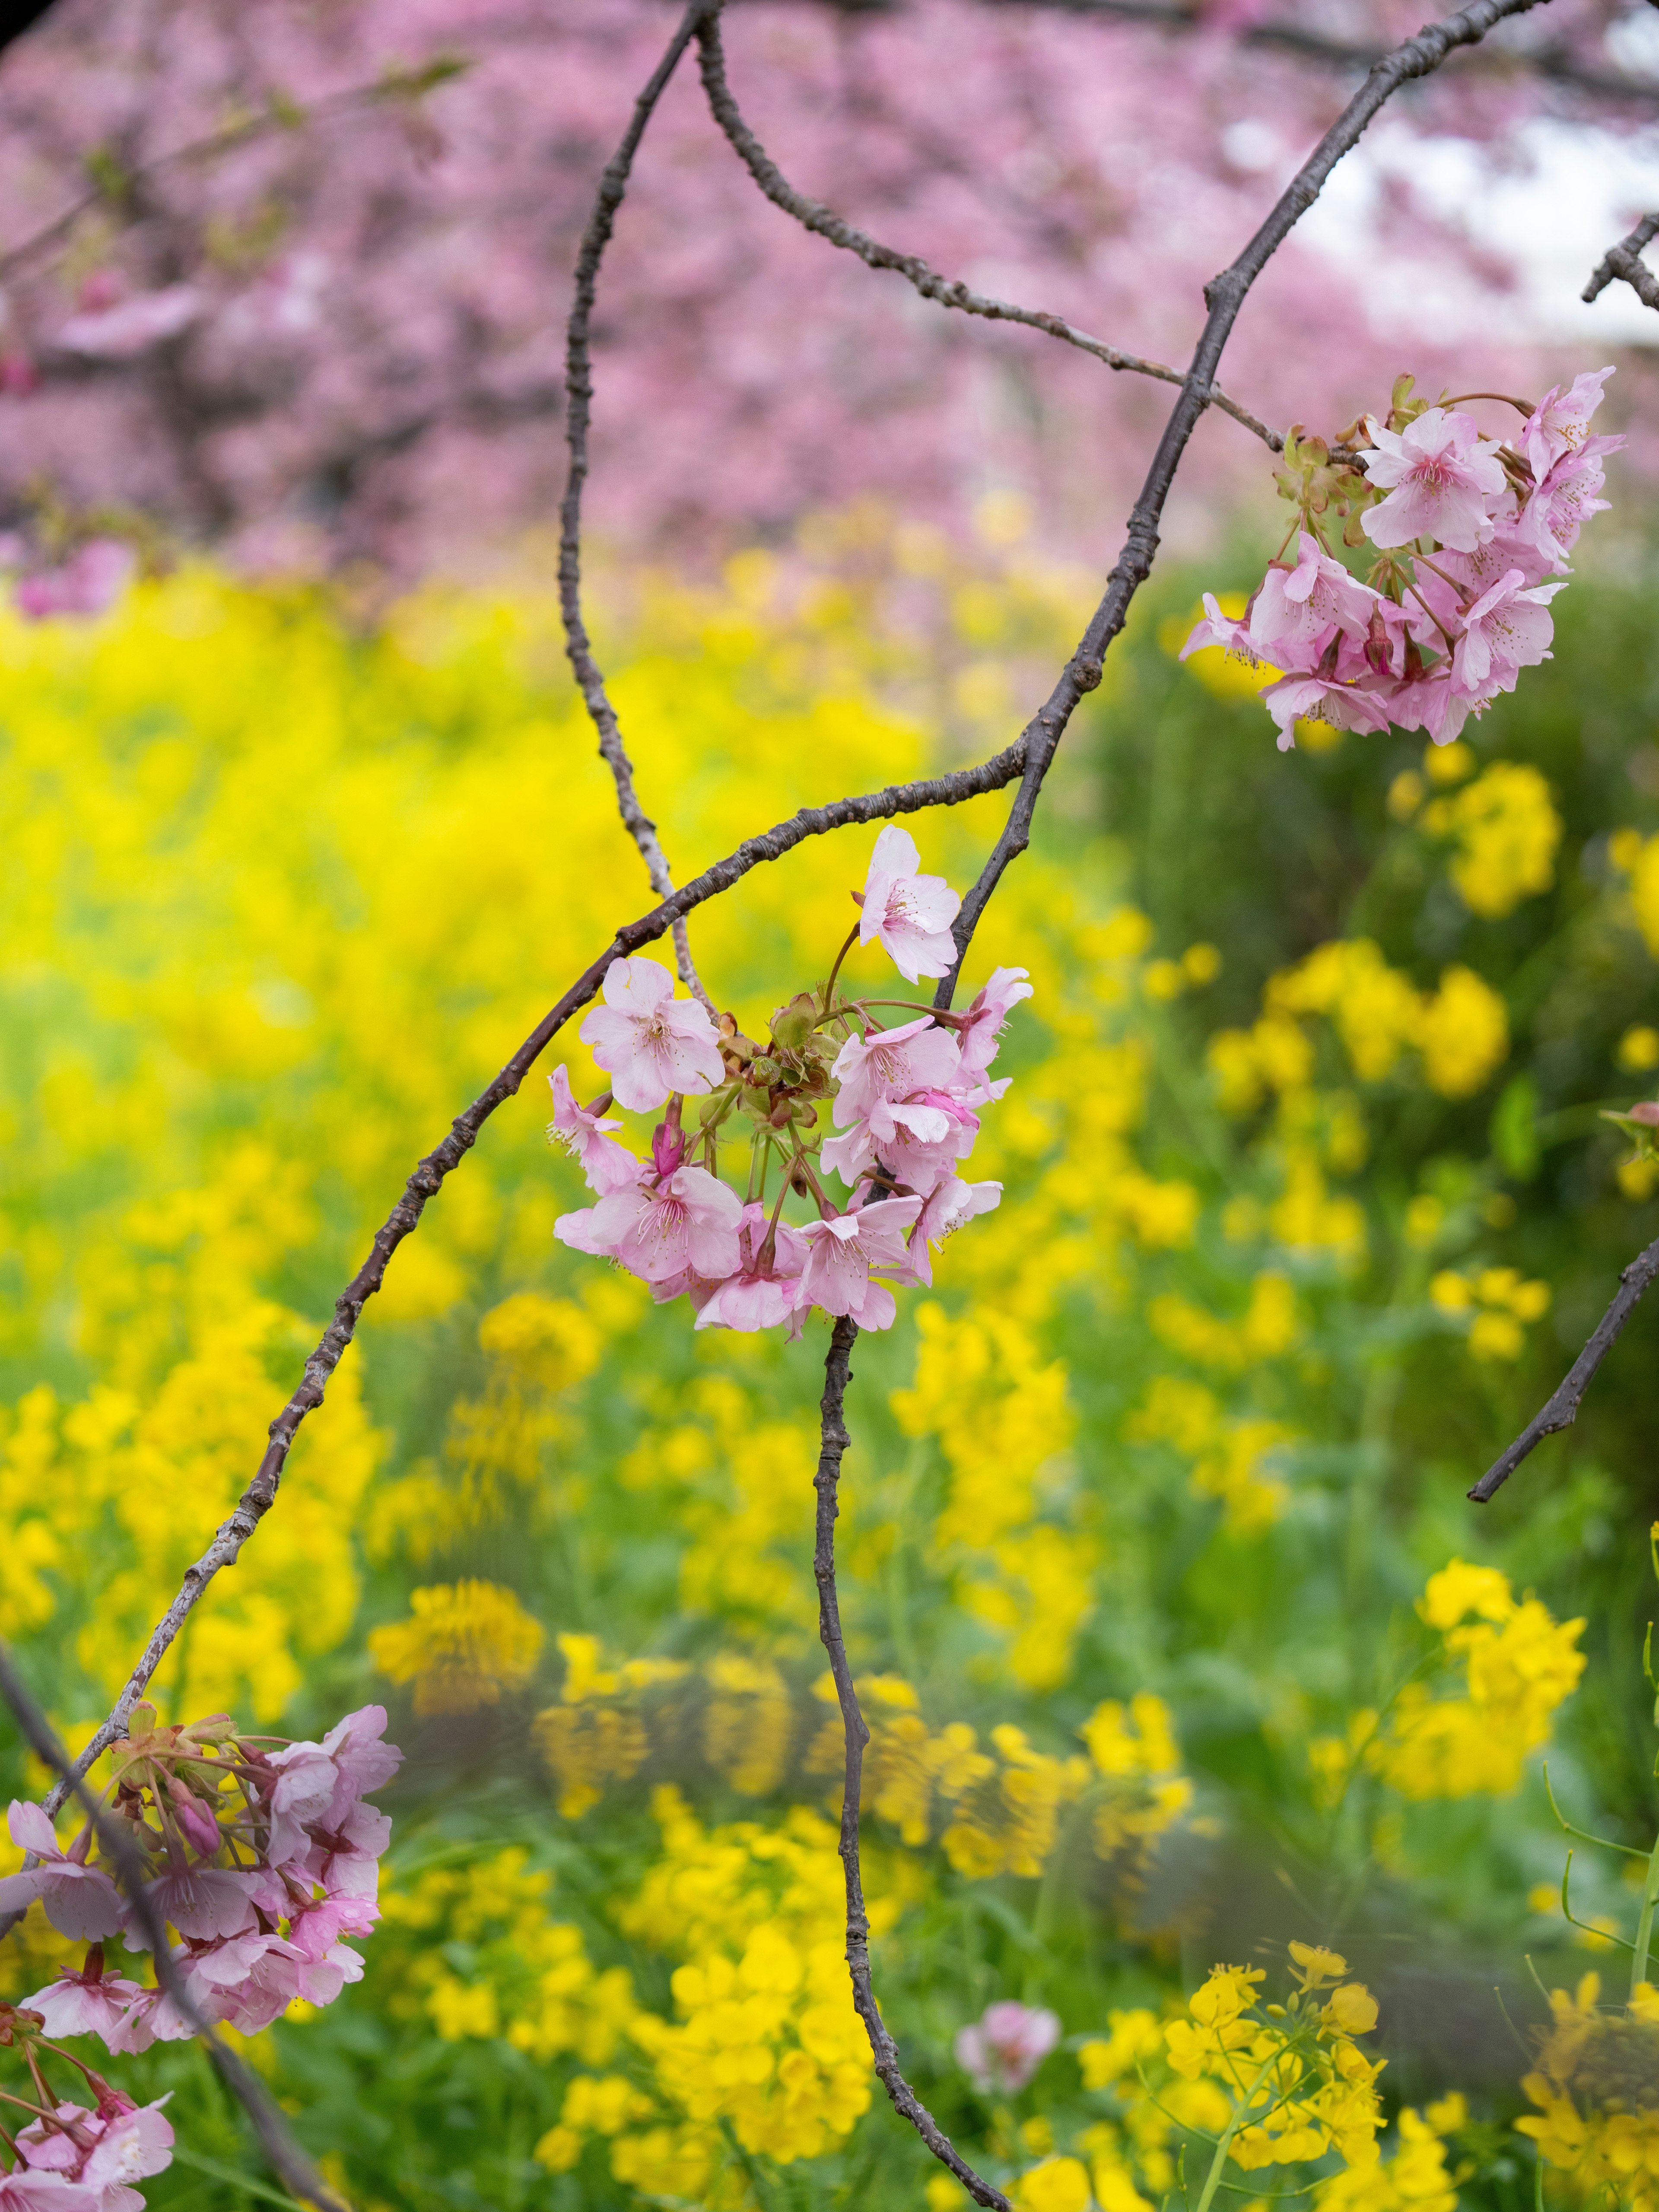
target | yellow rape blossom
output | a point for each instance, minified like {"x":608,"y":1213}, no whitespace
{"x":1518,"y":1664}
{"x":462,"y":1645}
{"x":1596,"y":2086}
{"x":1496,"y":1305}
{"x":1508,"y":831}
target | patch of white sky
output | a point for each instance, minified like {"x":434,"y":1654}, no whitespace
{"x":1564,"y":193}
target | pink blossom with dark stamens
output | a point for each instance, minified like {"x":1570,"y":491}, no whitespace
{"x":650,"y":1043}
{"x":910,"y":913}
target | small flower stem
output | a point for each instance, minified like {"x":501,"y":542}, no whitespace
{"x":1521,"y":406}
{"x":1638,"y":1964}
{"x":1451,"y":642}
{"x":1212,"y":2180}
{"x":830,"y":987}
{"x":801,"y":1163}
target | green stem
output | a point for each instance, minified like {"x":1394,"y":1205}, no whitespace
{"x":1212,"y":2180}
{"x":1638,"y":1965}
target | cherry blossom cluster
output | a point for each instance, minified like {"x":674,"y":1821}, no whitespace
{"x":1467,"y":530}
{"x":259,"y":1860}
{"x":892,"y":1111}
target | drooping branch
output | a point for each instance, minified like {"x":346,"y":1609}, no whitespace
{"x":286,"y":2157}
{"x":256,"y":1501}
{"x":1625,"y":260}
{"x":578,"y":404}
{"x":833,"y":1440}
{"x":945,"y":291}
{"x":1223,"y":296}
{"x":1561,"y":1409}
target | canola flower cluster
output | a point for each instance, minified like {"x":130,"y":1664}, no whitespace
{"x":1515,"y":1665}
{"x":1596,"y":2086}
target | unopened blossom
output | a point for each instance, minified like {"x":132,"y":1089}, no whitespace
{"x":650,"y":1043}
{"x":949,"y":1207}
{"x":1446,"y":481}
{"x":1508,"y":629}
{"x":659,"y":1229}
{"x":1559,"y":424}
{"x":80,"y":1900}
{"x":1005,"y":2045}
{"x":839,"y":1276}
{"x":606,"y":1164}
{"x":1297,"y":609}
{"x":761,"y":1294}
{"x":897,"y":1063}
{"x":910,"y":913}
{"x":988,"y":1016}
{"x":89,"y":2002}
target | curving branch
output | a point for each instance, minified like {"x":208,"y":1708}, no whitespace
{"x":428,"y":1178}
{"x":833,"y":1440}
{"x":1223,"y":296}
{"x":578,"y":404}
{"x":1562,"y":1410}
{"x":286,"y":2158}
{"x":945,"y":291}
{"x":1625,"y":260}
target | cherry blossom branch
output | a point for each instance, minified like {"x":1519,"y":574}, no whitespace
{"x":1561,"y":1409}
{"x":426,"y":1181}
{"x":1625,"y":260}
{"x":1224,"y":296}
{"x":579,"y":397}
{"x":286,"y":2157}
{"x":833,"y":1442}
{"x":118,"y":186}
{"x":944,"y":291}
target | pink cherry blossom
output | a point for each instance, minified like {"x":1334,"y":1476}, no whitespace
{"x":1003,"y":2048}
{"x":761,"y":1293}
{"x":1231,"y":635}
{"x":90,"y":580}
{"x":917,"y":1141}
{"x":950,"y":1205}
{"x":1559,"y":424}
{"x":839,"y":1275}
{"x":319,"y":1785}
{"x":81,"y":1902}
{"x":102,"y":2151}
{"x":26,"y":2190}
{"x":1297,"y":609}
{"x":911,"y":914}
{"x":344,"y":1859}
{"x":1507,"y":630}
{"x":198,"y":1901}
{"x":897,"y":1063}
{"x":1446,"y":478}
{"x":988,"y":1016}
{"x":1427,"y":700}
{"x":1565,"y":501}
{"x":660,"y":1228}
{"x":1322,"y":699}
{"x":650,"y":1043}
{"x":606,"y":1164}
{"x":89,"y":2002}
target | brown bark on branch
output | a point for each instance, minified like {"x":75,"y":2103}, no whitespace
{"x":1562,"y":1410}
{"x":833,"y":1442}
{"x":945,"y":291}
{"x":287,"y":2158}
{"x":1625,"y":260}
{"x":578,"y":399}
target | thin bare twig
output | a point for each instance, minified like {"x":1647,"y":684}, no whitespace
{"x":286,"y":2157}
{"x":578,"y":404}
{"x":1625,"y":260}
{"x":1223,"y":296}
{"x":945,"y":291}
{"x":426,"y":1180}
{"x":1562,"y":1410}
{"x":833,"y":1442}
